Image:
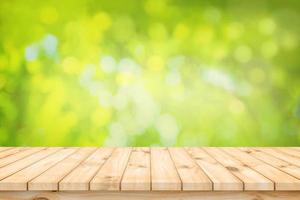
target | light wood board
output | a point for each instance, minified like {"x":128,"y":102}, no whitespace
{"x":144,"y":169}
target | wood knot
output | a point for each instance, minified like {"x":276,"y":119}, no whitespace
{"x":184,"y":166}
{"x":108,"y":177}
{"x":137,"y":165}
{"x":146,"y":151}
{"x":234,"y":169}
{"x":198,"y":158}
{"x":40,"y":198}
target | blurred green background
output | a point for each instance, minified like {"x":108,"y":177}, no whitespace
{"x":155,"y":72}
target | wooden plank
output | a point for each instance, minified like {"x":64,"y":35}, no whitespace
{"x":282,"y":180}
{"x":80,"y":177}
{"x":137,"y":174}
{"x":49,"y":179}
{"x":279,"y":154}
{"x":18,"y":155}
{"x":146,"y":169}
{"x":296,"y":148}
{"x":275,"y":162}
{"x":222,"y":179}
{"x":252,"y":180}
{"x":18,"y":181}
{"x":4,"y":148}
{"x":191,"y":175}
{"x":164,"y":175}
{"x":104,"y":195}
{"x":290,"y":151}
{"x":110,"y":175}
{"x":36,"y":155}
{"x":10,"y":151}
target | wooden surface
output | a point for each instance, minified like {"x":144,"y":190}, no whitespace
{"x":105,"y":195}
{"x":205,"y":170}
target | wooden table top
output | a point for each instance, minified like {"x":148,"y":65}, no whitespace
{"x":149,"y":169}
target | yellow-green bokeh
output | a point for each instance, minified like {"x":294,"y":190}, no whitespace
{"x":150,"y":72}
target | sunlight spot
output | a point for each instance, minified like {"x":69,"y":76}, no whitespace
{"x":146,"y":110}
{"x":50,"y":44}
{"x":168,"y":129}
{"x":244,"y":88}
{"x":234,"y":30}
{"x":267,"y":26}
{"x":102,"y":20}
{"x":105,"y":98}
{"x":95,"y":88}
{"x":121,"y":99}
{"x":128,"y":71}
{"x":204,"y":35}
{"x":175,"y":62}
{"x":139,"y":50}
{"x":71,"y":65}
{"x":219,"y":79}
{"x":87,"y":74}
{"x":236,"y":106}
{"x":128,"y":65}
{"x":173,"y":78}
{"x":269,"y":49}
{"x":181,"y":31}
{"x":156,"y":63}
{"x":124,"y":78}
{"x":243,"y":54}
{"x":31,"y":52}
{"x":220,"y":52}
{"x":108,"y":64}
{"x":117,"y":135}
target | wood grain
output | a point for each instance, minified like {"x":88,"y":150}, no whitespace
{"x":164,"y":175}
{"x":222,"y":178}
{"x":4,"y":148}
{"x":279,"y":154}
{"x":19,"y":180}
{"x":110,"y":175}
{"x":36,"y":155}
{"x":137,"y":174}
{"x":49,"y":179}
{"x":10,"y":151}
{"x":284,"y":166}
{"x":252,"y":180}
{"x":144,"y":169}
{"x":18,"y":155}
{"x":81,"y":176}
{"x":282,"y":180}
{"x":191,"y":175}
{"x":290,"y":151}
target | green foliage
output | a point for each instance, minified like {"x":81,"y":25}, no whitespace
{"x":155,"y":72}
